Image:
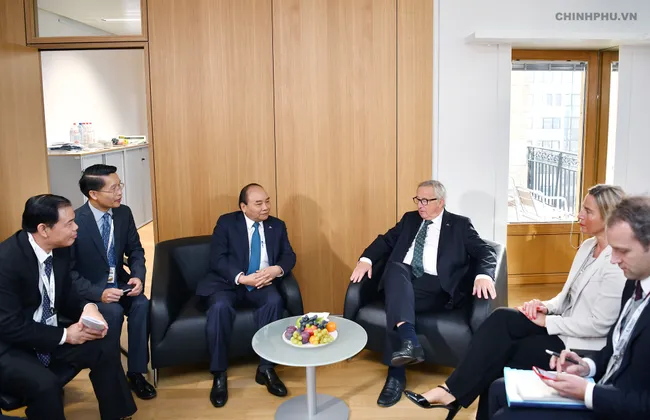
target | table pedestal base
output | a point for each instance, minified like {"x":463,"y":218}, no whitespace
{"x":327,"y":408}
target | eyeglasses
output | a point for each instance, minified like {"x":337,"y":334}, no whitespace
{"x":114,"y":189}
{"x":423,"y":201}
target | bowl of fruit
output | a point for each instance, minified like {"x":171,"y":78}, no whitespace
{"x":311,"y":330}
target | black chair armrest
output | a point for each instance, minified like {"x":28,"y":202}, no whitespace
{"x":482,"y":308}
{"x":168,"y":293}
{"x":290,"y":292}
{"x":361,"y":294}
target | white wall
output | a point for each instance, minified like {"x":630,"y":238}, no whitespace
{"x":472,"y":92}
{"x":631,"y":168}
{"x":471,"y":120}
{"x":50,"y":24}
{"x":105,"y":87}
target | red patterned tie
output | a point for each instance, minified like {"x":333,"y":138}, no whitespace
{"x":638,"y":291}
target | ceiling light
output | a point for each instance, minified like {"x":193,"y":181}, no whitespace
{"x":121,"y":20}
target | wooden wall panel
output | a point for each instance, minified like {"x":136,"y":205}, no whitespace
{"x":335,"y":99}
{"x":540,"y":258}
{"x":23,"y":152}
{"x":414,"y":98}
{"x":212,"y":108}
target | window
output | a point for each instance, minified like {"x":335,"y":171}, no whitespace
{"x":575,"y":122}
{"x":576,"y":99}
{"x":556,"y":123}
{"x":545,"y":165}
{"x":530,"y":100}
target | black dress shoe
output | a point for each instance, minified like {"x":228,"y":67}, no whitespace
{"x":391,"y":392}
{"x":418,"y":399}
{"x":219,"y":392}
{"x":142,"y":389}
{"x":273,"y":383}
{"x":407,"y":355}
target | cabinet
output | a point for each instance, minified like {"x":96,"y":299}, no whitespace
{"x":138,"y":184}
{"x":132,"y":163}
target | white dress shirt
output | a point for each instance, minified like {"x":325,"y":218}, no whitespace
{"x":98,"y":214}
{"x":430,"y":252}
{"x":589,"y":392}
{"x":264,"y":257}
{"x":41,"y":256}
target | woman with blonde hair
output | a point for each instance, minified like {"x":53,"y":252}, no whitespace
{"x":579,"y":317}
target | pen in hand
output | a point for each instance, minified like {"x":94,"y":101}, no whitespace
{"x":556,"y":354}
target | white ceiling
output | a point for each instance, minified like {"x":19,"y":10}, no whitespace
{"x":91,"y":12}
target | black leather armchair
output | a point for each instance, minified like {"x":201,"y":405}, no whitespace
{"x":178,"y":319}
{"x":443,"y":335}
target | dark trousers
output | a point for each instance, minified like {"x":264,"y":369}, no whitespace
{"x":136,"y":308}
{"x":506,"y":338}
{"x":24,"y":376}
{"x":407,"y":295}
{"x":221,"y":316}
{"x":499,"y":409}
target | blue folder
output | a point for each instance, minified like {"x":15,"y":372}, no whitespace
{"x":518,"y":381}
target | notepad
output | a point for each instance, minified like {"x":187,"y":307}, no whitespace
{"x":525,"y":389}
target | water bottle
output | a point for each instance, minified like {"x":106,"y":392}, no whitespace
{"x":91,"y":133}
{"x":75,"y":138}
{"x":82,"y":133}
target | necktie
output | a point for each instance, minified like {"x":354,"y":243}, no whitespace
{"x":106,"y":235}
{"x":418,"y":250}
{"x":638,"y":294}
{"x":638,"y":291}
{"x":256,"y":252}
{"x":47,"y":310}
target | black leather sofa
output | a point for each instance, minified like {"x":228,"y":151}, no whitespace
{"x":443,"y":335}
{"x":178,"y":319}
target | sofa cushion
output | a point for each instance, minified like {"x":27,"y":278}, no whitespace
{"x":193,"y":262}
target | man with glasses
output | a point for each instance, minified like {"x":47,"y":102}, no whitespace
{"x":107,"y":233}
{"x":428,"y":255}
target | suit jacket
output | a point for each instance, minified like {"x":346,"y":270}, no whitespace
{"x":458,"y":241}
{"x":229,"y":251}
{"x":89,"y":255}
{"x":628,"y":394}
{"x":20,"y":296}
{"x":595,"y":305}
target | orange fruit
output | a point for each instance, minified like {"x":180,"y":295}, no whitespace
{"x":313,"y":340}
{"x":331,"y":326}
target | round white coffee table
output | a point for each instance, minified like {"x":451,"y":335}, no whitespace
{"x":268,"y":344}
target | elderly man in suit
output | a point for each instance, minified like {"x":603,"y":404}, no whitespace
{"x":35,"y":291}
{"x":107,"y":234}
{"x":249,"y":252}
{"x":622,"y":387}
{"x":428,"y":255}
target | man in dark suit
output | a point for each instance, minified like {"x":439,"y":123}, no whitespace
{"x":107,"y":233}
{"x":622,"y":387}
{"x":249,"y":252}
{"x":35,"y":290}
{"x":428,"y":255}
